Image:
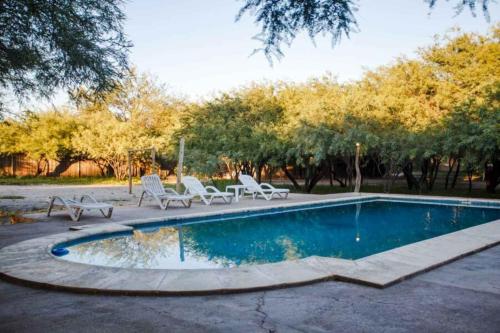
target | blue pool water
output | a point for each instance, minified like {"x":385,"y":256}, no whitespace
{"x":348,"y":231}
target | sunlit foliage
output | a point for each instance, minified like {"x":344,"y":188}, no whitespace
{"x":411,"y":117}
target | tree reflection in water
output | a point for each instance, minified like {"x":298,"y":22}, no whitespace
{"x":349,"y":232}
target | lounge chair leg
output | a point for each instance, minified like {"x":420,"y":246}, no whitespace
{"x":51,"y":205}
{"x":142,"y":196}
{"x":75,"y":214}
{"x":207,"y":202}
{"x":107,"y":215}
{"x":80,"y":213}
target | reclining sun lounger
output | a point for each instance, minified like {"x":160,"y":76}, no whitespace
{"x":75,"y":208}
{"x":153,"y":187}
{"x":264,"y":189}
{"x":196,"y":188}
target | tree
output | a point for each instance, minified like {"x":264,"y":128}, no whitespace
{"x":48,"y":136}
{"x":233,"y":133}
{"x":282,"y":20}
{"x":11,"y":135}
{"x":136,"y":114}
{"x":47,"y":45}
{"x":105,"y":139}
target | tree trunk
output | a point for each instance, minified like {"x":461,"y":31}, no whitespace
{"x":434,"y":172}
{"x":387,"y":177}
{"x":42,"y":166}
{"x":492,"y":175}
{"x":259,"y":173}
{"x":61,"y":167}
{"x":394,"y":176}
{"x":469,"y":177}
{"x":451,"y":165}
{"x":342,"y":184}
{"x":411,"y":181}
{"x":425,"y":170}
{"x":348,"y":170}
{"x":330,"y":172}
{"x":315,"y":178}
{"x":291,"y":177}
{"x":455,"y":176}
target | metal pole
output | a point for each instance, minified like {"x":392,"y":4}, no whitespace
{"x":357,"y":187}
{"x":129,"y":172}
{"x":179,"y":166}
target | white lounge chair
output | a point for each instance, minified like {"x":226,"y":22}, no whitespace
{"x":264,"y":189}
{"x":152,"y":186}
{"x":196,"y":188}
{"x":75,"y":208}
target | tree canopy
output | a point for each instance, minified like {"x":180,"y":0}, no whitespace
{"x":46,"y":45}
{"x":281,"y":21}
{"x":411,"y":118}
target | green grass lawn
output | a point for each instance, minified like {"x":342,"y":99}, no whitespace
{"x":222,"y":183}
{"x":64,"y":181}
{"x":326,"y":189}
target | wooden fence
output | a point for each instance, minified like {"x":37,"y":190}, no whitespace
{"x":20,"y":165}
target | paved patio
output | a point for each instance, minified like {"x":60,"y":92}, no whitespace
{"x":463,"y":296}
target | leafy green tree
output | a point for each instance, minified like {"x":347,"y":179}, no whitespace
{"x":137,"y":114}
{"x":48,"y":136}
{"x":409,"y":117}
{"x":11,"y":134}
{"x":105,"y":139}
{"x":233,"y":133}
{"x":281,"y":21}
{"x":46,"y":45}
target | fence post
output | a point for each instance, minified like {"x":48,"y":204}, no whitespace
{"x":179,"y":166}
{"x":357,"y":186}
{"x":129,"y":172}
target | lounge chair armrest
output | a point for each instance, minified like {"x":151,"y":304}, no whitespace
{"x":213,"y":188}
{"x":89,"y":198}
{"x":269,"y":186}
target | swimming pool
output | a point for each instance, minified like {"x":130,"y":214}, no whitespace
{"x":351,"y":229}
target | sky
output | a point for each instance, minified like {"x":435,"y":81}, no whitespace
{"x":196,"y":48}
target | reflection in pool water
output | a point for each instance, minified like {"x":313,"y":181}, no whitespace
{"x":349,"y":231}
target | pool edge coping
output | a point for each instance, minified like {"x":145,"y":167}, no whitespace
{"x":30,"y":262}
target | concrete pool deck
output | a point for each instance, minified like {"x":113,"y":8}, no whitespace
{"x":30,"y":262}
{"x":462,"y":296}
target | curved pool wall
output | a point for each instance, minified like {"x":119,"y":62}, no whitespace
{"x":31,"y":262}
{"x":349,"y":230}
